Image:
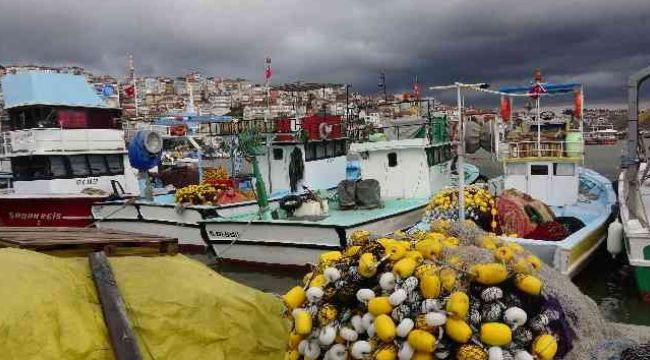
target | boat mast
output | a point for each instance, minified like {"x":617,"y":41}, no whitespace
{"x":134,"y":84}
{"x":461,"y":146}
{"x":461,"y":154}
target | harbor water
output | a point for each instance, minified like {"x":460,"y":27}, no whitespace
{"x":609,"y":282}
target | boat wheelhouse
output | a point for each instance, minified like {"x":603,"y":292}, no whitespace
{"x":65,"y":147}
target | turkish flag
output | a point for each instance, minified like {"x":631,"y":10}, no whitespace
{"x":129,"y":91}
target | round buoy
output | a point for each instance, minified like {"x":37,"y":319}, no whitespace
{"x":615,"y":238}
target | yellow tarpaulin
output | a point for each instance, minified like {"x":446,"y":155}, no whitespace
{"x":178,"y":308}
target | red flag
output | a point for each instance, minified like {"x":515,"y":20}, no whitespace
{"x":129,"y":91}
{"x":578,"y":104}
{"x":536,"y":90}
{"x":268,"y":72}
{"x":416,"y":88}
{"x":506,"y":108}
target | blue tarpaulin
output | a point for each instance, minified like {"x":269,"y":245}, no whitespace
{"x":549,"y":87}
{"x":44,"y":88}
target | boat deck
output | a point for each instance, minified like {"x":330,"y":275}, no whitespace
{"x":336,"y":217}
{"x":76,"y":241}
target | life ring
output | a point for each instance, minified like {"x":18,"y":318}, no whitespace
{"x":290,"y":202}
{"x":324,"y":130}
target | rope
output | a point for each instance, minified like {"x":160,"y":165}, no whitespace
{"x":127,"y":202}
{"x":611,"y":349}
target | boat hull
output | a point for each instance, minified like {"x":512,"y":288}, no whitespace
{"x":68,"y":211}
{"x":181,"y":222}
{"x":292,"y":244}
{"x":573,"y":253}
{"x":633,"y":205}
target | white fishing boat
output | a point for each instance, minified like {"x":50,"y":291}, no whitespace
{"x":634,"y":197}
{"x":313,"y":147}
{"x":408,"y":171}
{"x":64,"y":148}
{"x":542,"y":157}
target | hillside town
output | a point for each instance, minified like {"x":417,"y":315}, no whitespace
{"x":149,"y":97}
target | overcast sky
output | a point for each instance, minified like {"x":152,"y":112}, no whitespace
{"x":596,"y":42}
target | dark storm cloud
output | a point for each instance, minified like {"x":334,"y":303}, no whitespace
{"x":598,"y":43}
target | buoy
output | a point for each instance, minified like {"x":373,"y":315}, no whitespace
{"x":615,"y":238}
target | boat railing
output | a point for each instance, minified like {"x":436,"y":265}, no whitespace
{"x":5,"y":144}
{"x":55,"y":140}
{"x":524,"y":150}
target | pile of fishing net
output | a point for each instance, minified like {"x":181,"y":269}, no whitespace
{"x":523,"y":216}
{"x":206,"y":194}
{"x":426,"y":295}
{"x":512,"y":213}
{"x":453,"y":293}
{"x":479,"y":205}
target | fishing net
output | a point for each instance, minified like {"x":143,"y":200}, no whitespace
{"x":335,"y":301}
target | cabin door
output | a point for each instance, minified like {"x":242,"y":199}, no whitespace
{"x":539,"y":181}
{"x":393,"y":187}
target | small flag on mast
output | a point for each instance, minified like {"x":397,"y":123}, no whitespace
{"x":416,"y":88}
{"x":268,"y":72}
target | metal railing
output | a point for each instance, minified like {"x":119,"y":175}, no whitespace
{"x":55,"y":140}
{"x":543,"y":149}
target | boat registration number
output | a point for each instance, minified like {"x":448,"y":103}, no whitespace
{"x":223,"y":234}
{"x":88,"y":181}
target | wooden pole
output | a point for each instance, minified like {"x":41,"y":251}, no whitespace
{"x":123,"y":341}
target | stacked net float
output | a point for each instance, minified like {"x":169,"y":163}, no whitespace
{"x":455,"y":292}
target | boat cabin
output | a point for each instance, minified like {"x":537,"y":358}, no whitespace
{"x":409,"y":159}
{"x":542,"y":151}
{"x":63,"y":138}
{"x":309,"y":151}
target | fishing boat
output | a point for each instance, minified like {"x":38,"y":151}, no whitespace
{"x":308,"y":151}
{"x":634,"y":196}
{"x":547,"y":201}
{"x":600,"y":132}
{"x":66,"y":151}
{"x":398,"y":173}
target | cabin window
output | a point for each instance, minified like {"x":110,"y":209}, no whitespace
{"x":330,"y":149}
{"x":392,"y":159}
{"x":115,"y":164}
{"x":58,"y":166}
{"x":340,"y":148}
{"x":563,"y":169}
{"x":310,"y":152}
{"x":39,"y":169}
{"x":278,"y":154}
{"x":98,"y":165}
{"x":79,"y":165}
{"x":320,"y":151}
{"x":516,"y":169}
{"x":430,"y":157}
{"x":539,"y":169}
